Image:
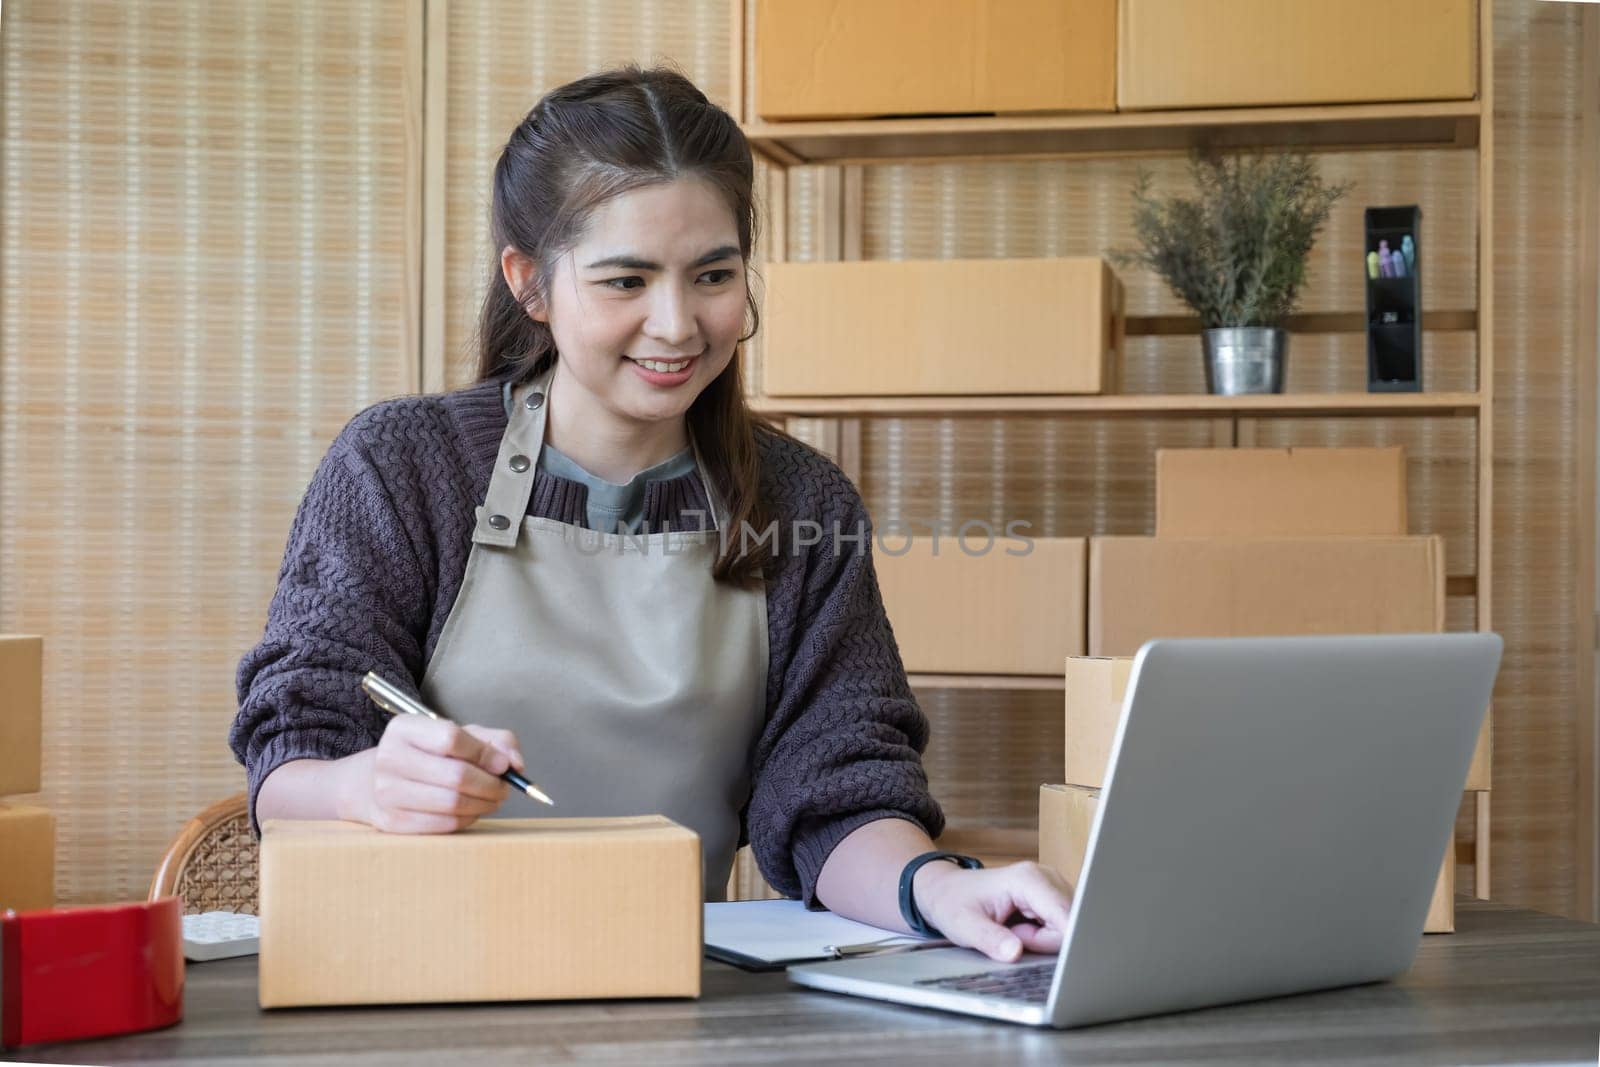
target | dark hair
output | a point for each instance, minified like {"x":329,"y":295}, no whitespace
{"x":582,"y":144}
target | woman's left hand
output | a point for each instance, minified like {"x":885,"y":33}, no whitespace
{"x":1000,"y":911}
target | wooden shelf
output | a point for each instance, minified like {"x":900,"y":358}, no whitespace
{"x":1348,"y":127}
{"x":1198,"y":405}
{"x":1437,"y":320}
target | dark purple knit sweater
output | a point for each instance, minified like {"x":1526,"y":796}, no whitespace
{"x":377,"y":552}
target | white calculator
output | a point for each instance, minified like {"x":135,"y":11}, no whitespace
{"x":220,"y":935}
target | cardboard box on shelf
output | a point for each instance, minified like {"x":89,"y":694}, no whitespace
{"x":1145,"y":587}
{"x":508,"y":909}
{"x":27,"y":858}
{"x":1066,"y":814}
{"x":1142,"y":587}
{"x":21,"y":721}
{"x":1280,"y":492}
{"x":980,"y":609}
{"x":956,"y":327}
{"x":1173,"y":53}
{"x":1095,"y":688}
{"x":863,"y":58}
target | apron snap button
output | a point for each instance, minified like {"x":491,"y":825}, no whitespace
{"x":534,"y":400}
{"x":499,"y":522}
{"x":519,"y":463}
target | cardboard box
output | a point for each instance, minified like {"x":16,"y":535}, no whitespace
{"x":1095,"y":688}
{"x":1480,"y":774}
{"x":508,"y":909}
{"x":1145,"y":587}
{"x":1178,"y":53}
{"x":1442,"y":907}
{"x":982,"y":610}
{"x":1141,"y":587}
{"x":861,"y":58}
{"x":1289,"y":492}
{"x":1066,"y":813}
{"x":957,"y":327}
{"x":1280,"y":492}
{"x":21,"y":700}
{"x":27,"y":858}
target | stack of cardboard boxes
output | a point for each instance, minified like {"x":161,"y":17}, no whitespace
{"x":27,"y":834}
{"x":1257,"y":542}
{"x":1249,"y":542}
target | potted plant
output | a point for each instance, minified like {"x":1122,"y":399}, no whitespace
{"x":1236,"y":253}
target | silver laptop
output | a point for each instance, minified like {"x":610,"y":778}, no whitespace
{"x":1272,"y":822}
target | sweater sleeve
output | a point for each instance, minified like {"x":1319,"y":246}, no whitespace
{"x":844,"y":736}
{"x":351,"y":597}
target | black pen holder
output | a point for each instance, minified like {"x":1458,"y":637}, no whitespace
{"x":1394,"y":299}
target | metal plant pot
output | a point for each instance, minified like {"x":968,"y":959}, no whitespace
{"x":1245,"y":359}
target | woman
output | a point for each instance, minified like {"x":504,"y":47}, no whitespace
{"x":594,"y":550}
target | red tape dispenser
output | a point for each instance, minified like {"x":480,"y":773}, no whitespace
{"x":70,"y":973}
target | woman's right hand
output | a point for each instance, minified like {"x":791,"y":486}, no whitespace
{"x":429,"y":776}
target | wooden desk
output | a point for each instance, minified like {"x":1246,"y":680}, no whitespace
{"x":1512,"y":985}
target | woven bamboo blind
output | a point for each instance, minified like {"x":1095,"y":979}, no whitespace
{"x":203,"y":250}
{"x":1544,"y":694}
{"x":127,"y":138}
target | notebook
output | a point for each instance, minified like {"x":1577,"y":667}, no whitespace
{"x":768,"y":935}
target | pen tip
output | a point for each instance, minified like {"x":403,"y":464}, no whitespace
{"x":538,"y":794}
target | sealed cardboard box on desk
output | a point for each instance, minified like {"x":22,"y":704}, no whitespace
{"x":508,"y":909}
{"x":862,"y":58}
{"x":21,"y":699}
{"x":1066,"y":812}
{"x":978,"y":607}
{"x":27,"y":858}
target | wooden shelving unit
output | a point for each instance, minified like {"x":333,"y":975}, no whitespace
{"x":845,"y":148}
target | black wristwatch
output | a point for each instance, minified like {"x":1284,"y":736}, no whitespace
{"x":908,"y":903}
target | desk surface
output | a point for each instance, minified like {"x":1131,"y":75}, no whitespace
{"x":1512,"y":985}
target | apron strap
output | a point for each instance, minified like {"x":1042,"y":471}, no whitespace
{"x":511,"y":485}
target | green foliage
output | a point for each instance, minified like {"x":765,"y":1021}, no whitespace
{"x":1237,"y":252}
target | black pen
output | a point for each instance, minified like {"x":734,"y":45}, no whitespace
{"x":394,"y":700}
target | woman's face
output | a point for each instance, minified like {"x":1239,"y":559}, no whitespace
{"x":648,"y":307}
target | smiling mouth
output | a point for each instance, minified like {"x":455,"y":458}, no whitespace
{"x":664,"y":366}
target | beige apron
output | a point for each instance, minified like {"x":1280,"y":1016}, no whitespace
{"x":635,"y":683}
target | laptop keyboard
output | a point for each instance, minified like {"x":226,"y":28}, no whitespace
{"x":1030,"y":983}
